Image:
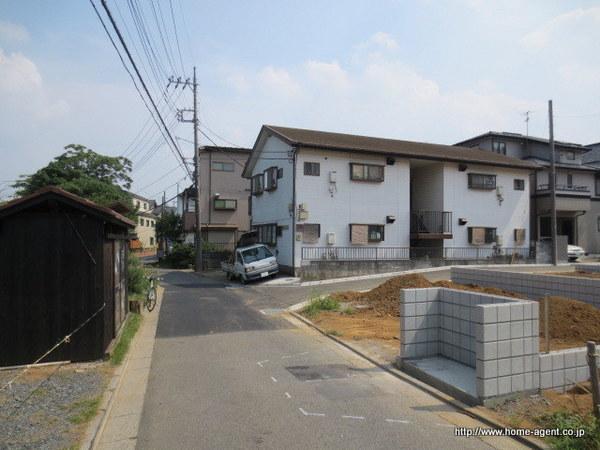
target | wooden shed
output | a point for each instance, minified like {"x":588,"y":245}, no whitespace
{"x":63,"y":264}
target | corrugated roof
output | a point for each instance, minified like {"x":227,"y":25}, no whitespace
{"x":19,"y":204}
{"x":418,"y":150}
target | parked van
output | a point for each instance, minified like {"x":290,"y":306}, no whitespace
{"x":252,"y":262}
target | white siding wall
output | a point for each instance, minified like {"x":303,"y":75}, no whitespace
{"x":272,"y":207}
{"x":481,"y":207}
{"x":353,"y":201}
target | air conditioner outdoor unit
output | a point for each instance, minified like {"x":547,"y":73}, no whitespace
{"x":330,"y":238}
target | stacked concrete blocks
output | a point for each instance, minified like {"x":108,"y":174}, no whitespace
{"x":561,"y":370}
{"x":595,"y":268}
{"x":420,"y":321}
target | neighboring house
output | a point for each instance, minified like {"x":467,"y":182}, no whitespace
{"x":319,"y":195}
{"x":146,"y":223}
{"x":223,"y":196}
{"x":577,"y":184}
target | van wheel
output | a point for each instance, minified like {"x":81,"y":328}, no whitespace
{"x":243,"y":279}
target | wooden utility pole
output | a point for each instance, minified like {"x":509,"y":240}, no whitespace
{"x":180,"y":116}
{"x":592,"y":358}
{"x":552,"y":183}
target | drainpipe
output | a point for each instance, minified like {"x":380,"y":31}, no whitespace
{"x":577,"y":216}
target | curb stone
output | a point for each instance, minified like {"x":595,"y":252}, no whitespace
{"x":474,"y":412}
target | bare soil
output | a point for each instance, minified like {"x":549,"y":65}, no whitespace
{"x":376,"y":314}
{"x":595,"y":275}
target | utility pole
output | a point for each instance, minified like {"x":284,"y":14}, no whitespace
{"x":552,"y":182}
{"x":180,"y":116}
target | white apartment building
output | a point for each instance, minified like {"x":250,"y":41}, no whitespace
{"x":331,"y":196}
{"x":145,"y":228}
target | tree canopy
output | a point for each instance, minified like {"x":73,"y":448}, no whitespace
{"x":81,"y":171}
{"x":169,"y":226}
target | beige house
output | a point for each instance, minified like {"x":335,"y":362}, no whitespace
{"x":145,"y":222}
{"x":224,"y":196}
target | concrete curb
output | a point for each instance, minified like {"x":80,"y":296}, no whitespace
{"x":96,"y":427}
{"x":474,"y":412}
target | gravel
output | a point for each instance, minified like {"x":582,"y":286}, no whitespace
{"x":35,"y":412}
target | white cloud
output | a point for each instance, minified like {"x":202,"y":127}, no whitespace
{"x":278,"y":81}
{"x":328,"y":75}
{"x":13,"y":32}
{"x":384,"y":40}
{"x":578,"y":22}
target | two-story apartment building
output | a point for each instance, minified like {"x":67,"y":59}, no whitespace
{"x":318,"y":195}
{"x":577,"y":184}
{"x":223,"y":196}
{"x":145,"y":228}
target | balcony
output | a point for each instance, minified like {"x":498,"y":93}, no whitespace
{"x":431,"y":225}
{"x":564,"y":189}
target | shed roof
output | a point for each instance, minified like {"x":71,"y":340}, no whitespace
{"x":304,"y":138}
{"x":60,"y":195}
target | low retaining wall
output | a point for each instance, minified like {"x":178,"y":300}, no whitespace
{"x":498,"y":336}
{"x":534,"y":286}
{"x":561,"y":370}
{"x":587,"y":267}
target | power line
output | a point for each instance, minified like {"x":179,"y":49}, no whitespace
{"x":160,"y":179}
{"x":142,"y":82}
{"x":176,"y":36}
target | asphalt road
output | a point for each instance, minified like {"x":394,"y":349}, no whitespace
{"x":226,"y":376}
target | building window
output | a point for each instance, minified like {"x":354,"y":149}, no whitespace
{"x":257,"y":184}
{"x":482,"y":235}
{"x":520,"y":236}
{"x":569,"y":180}
{"x":267,"y":234}
{"x":141,"y":221}
{"x":219,"y":166}
{"x":482,"y":181}
{"x":225,"y":204}
{"x":598,"y":224}
{"x":145,"y":206}
{"x":366,"y":172}
{"x":311,"y":232}
{"x":271,"y":179}
{"x":151,"y":240}
{"x":137,"y":204}
{"x":570,"y":155}
{"x":363,"y":234}
{"x":519,"y":185}
{"x":312,"y":169}
{"x":147,"y":223}
{"x":499,"y":147}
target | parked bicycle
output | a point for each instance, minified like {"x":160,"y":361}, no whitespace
{"x":150,"y":301}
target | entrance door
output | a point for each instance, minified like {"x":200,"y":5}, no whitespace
{"x":565,"y":226}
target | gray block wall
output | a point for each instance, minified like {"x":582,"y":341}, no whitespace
{"x":419,"y":322}
{"x":560,"y":370}
{"x":534,"y":286}
{"x":587,"y":267}
{"x":507,"y":342}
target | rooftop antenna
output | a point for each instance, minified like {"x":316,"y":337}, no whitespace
{"x":526,"y":114}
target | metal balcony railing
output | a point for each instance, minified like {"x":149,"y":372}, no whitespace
{"x":565,"y":188}
{"x":431,"y":222}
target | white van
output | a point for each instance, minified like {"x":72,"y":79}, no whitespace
{"x":251,"y":263}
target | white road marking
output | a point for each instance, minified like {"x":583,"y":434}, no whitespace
{"x":310,"y":413}
{"x":274,"y":379}
{"x":397,"y":421}
{"x":296,"y":354}
{"x":354,"y":417}
{"x":287,"y":394}
{"x":260,"y":363}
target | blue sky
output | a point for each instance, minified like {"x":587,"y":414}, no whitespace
{"x":436,"y":71}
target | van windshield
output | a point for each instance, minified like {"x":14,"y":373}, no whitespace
{"x":256,"y":254}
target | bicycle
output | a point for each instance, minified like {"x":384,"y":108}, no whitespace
{"x":150,"y":300}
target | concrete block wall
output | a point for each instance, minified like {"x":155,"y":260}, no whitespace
{"x":534,"y":286}
{"x":587,"y":267}
{"x":507,"y":342}
{"x":419,"y":322}
{"x":560,"y":370}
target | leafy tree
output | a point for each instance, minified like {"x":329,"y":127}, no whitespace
{"x":169,"y":226}
{"x":81,"y":171}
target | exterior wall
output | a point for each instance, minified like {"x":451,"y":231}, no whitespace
{"x":589,"y":228}
{"x":353,"y":201}
{"x":560,"y":370}
{"x":145,"y":222}
{"x":534,"y":286}
{"x":229,"y":185}
{"x":274,"y":206}
{"x":482,"y":207}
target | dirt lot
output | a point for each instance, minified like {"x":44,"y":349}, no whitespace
{"x":375,"y":314}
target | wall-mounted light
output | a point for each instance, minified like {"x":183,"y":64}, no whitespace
{"x":462,"y":221}
{"x":390,"y":219}
{"x":462,"y":167}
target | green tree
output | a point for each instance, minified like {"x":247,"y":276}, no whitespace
{"x":169,"y":226}
{"x":81,"y":171}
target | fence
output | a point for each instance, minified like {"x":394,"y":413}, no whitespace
{"x":213,"y":253}
{"x":431,"y":222}
{"x":410,"y":253}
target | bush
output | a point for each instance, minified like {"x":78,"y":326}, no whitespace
{"x":181,"y":257}
{"x":137,"y":283}
{"x":319,"y":304}
{"x":566,"y":420}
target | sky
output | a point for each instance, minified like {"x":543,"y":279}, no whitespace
{"x":425,"y":70}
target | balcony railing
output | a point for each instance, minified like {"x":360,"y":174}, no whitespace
{"x":565,"y":188}
{"x":431,"y":222}
{"x":415,"y":253}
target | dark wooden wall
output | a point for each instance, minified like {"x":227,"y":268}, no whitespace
{"x":49,"y":285}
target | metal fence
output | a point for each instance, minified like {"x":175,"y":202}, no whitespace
{"x":409,"y":253}
{"x":435,"y":222}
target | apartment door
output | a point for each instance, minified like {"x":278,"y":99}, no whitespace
{"x":565,"y":226}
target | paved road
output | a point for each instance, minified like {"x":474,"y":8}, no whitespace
{"x":226,"y":376}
